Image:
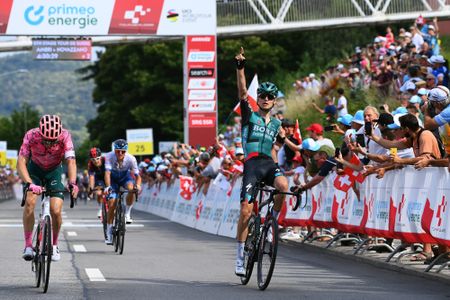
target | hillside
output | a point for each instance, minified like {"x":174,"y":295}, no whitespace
{"x":49,"y":87}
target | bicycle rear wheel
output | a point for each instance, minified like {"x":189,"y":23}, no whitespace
{"x":104,"y":219}
{"x":267,"y":252}
{"x":36,"y":262}
{"x":121,"y":232}
{"x":250,"y":248}
{"x":46,"y":257}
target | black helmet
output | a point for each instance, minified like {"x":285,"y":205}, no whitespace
{"x":120,"y":144}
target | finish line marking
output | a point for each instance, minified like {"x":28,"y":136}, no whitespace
{"x":79,"y":248}
{"x":94,"y":274}
{"x":71,"y":233}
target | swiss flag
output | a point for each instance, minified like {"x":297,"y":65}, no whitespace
{"x":187,"y":187}
{"x":252,"y":96}
{"x":346,"y":181}
{"x":297,"y":133}
{"x":198,"y":209}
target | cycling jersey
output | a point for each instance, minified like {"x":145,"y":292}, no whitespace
{"x":47,"y":156}
{"x":97,"y":172}
{"x":257,"y":136}
{"x":118,"y":170}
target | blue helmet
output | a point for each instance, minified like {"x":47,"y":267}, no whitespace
{"x":120,"y":144}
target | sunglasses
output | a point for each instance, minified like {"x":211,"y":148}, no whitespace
{"x":95,"y":158}
{"x":268,"y":96}
{"x":121,"y":151}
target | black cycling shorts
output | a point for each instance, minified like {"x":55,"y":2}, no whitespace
{"x":258,"y":169}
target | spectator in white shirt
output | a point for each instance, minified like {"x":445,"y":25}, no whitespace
{"x":315,"y":131}
{"x":342,"y":103}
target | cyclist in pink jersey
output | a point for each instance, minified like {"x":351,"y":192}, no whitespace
{"x":39,"y":166}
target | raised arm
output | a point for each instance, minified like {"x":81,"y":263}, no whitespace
{"x":241,"y":83}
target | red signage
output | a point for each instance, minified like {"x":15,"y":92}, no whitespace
{"x":5,"y":10}
{"x":201,"y":104}
{"x":136,"y":17}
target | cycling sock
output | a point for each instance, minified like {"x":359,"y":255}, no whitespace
{"x":275,"y":214}
{"x":109,"y":228}
{"x":28,"y":238}
{"x":55,"y":237}
{"x":240,"y":250}
{"x":128,"y":209}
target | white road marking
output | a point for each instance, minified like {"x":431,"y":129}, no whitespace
{"x":94,"y":274}
{"x":71,"y":233}
{"x":79,"y":248}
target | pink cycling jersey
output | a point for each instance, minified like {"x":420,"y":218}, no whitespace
{"x":44,"y":156}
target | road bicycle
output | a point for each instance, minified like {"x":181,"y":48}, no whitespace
{"x":118,"y":233}
{"x":261,"y":244}
{"x":42,"y":239}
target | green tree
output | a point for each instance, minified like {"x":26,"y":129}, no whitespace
{"x":13,"y":128}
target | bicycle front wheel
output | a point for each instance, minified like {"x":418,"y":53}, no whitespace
{"x":250,"y":248}
{"x":104,"y":219}
{"x":121,"y":232}
{"x":117,"y":226}
{"x":46,"y":257}
{"x":36,"y":262}
{"x":267,"y":252}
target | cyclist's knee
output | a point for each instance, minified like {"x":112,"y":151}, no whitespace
{"x":281,"y":184}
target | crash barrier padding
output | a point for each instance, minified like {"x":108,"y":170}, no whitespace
{"x":406,"y":204}
{"x":6,"y":191}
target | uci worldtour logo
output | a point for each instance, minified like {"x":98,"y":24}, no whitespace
{"x":61,"y":15}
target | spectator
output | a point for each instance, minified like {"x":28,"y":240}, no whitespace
{"x":329,"y":110}
{"x":342,"y":103}
{"x":315,"y":131}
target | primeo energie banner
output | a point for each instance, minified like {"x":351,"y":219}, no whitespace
{"x":94,"y":17}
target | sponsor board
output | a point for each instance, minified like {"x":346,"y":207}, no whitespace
{"x":201,"y":56}
{"x":202,"y":106}
{"x":202,"y":83}
{"x":202,"y":94}
{"x":202,"y":120}
{"x":201,"y":72}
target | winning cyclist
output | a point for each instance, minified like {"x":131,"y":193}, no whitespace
{"x":41,"y":154}
{"x":96,"y":169}
{"x":118,"y":167}
{"x":259,"y":133}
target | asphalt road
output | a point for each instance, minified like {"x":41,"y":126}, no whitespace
{"x":164,"y":260}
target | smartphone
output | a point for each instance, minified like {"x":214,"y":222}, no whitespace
{"x":393,"y":151}
{"x":361,"y":140}
{"x":328,"y":128}
{"x":337,"y":152}
{"x":368,"y":128}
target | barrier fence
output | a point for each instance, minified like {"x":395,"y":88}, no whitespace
{"x":406,"y":204}
{"x":6,"y":191}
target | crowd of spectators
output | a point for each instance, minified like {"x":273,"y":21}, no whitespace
{"x":408,"y":67}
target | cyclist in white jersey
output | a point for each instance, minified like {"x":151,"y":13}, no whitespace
{"x":119,"y":166}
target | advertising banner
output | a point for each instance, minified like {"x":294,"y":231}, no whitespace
{"x":93,"y":18}
{"x":140,"y":141}
{"x":200,"y":90}
{"x":62,"y":49}
{"x":3,"y":147}
{"x":11,"y":158}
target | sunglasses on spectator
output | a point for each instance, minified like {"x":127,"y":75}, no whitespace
{"x":96,"y":158}
{"x":268,"y":96}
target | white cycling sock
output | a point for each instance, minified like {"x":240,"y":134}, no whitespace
{"x":128,"y":209}
{"x":240,"y":250}
{"x":109,"y":228}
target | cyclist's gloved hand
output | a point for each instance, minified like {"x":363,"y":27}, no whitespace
{"x":36,"y":189}
{"x":72,"y":185}
{"x":108,"y":190}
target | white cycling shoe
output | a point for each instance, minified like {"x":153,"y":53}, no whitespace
{"x":99,"y":213}
{"x":240,"y":270}
{"x":108,"y":240}
{"x":55,"y":255}
{"x":28,"y":253}
{"x":128,"y":219}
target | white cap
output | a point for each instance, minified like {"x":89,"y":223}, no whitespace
{"x":312,"y":75}
{"x":340,"y":66}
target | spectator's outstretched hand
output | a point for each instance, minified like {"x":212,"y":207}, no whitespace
{"x":421,"y":164}
{"x":380,"y":173}
{"x":240,"y":59}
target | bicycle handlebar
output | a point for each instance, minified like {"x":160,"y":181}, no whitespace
{"x":47,"y":193}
